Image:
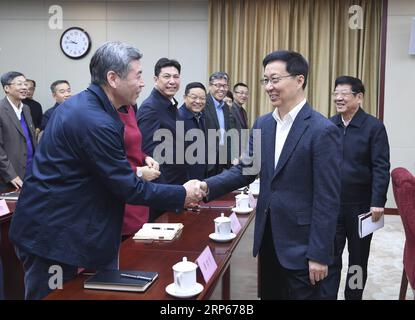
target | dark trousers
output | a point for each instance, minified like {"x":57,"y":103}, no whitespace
{"x":279,"y":283}
{"x":37,"y":279}
{"x":347,"y":228}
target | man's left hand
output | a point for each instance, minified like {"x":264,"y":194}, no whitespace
{"x":151,"y":163}
{"x":376,"y":213}
{"x":317,"y":271}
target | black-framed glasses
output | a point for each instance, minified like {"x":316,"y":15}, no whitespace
{"x":242,"y":93}
{"x":274,"y":80}
{"x":334,"y":94}
{"x":220,"y":86}
{"x":194,"y":98}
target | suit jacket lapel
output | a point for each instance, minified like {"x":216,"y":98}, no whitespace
{"x":299,"y":126}
{"x":12,"y":115}
{"x":212,"y":110}
{"x":27,"y":115}
{"x":268,"y":137}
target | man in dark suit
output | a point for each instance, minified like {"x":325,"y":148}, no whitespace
{"x":17,"y":132}
{"x":70,"y":211}
{"x":364,"y":178}
{"x":34,"y":106}
{"x":61,"y":90}
{"x":193,"y":117}
{"x":240,"y":94}
{"x":157,"y":116}
{"x":298,"y":204}
{"x":219,"y":119}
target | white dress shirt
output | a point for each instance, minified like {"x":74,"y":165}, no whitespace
{"x":17,"y":110}
{"x":283,"y":128}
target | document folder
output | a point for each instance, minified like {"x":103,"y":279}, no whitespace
{"x":367,"y":226}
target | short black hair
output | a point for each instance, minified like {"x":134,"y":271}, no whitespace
{"x":229,"y":94}
{"x":33,"y":81}
{"x":8,"y":77}
{"x":166,"y":62}
{"x":240,"y":84}
{"x":296,"y":63}
{"x":355,"y":83}
{"x":192,"y":85}
{"x":56,"y":83}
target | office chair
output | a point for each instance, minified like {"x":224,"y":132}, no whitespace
{"x":403,"y":184}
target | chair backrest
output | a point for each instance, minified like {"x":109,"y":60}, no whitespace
{"x":403,"y":184}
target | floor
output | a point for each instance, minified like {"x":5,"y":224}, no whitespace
{"x":385,"y":266}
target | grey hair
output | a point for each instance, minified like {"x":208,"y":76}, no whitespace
{"x":112,"y":56}
{"x":219,"y":75}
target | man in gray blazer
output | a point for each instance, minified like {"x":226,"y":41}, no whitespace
{"x":17,"y":132}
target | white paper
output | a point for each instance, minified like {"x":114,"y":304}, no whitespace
{"x":367,"y":226}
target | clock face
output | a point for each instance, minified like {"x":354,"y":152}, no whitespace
{"x":75,"y":43}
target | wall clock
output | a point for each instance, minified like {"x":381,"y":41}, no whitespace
{"x":75,"y":43}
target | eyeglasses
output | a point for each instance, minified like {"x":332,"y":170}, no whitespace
{"x":18,"y":84}
{"x":274,"y":80}
{"x":242,"y":93}
{"x":220,"y":86}
{"x":334,"y":94}
{"x":194,"y":98}
{"x":167,"y":76}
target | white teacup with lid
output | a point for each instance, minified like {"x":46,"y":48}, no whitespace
{"x":184,"y":273}
{"x":242,"y":201}
{"x":223,"y":226}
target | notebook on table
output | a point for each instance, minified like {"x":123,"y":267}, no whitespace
{"x":121,"y":280}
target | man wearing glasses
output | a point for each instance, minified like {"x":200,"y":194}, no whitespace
{"x":240,"y":94}
{"x":193,"y":116}
{"x":298,"y":206}
{"x":219,"y":118}
{"x":364,"y":177}
{"x":17,"y":132}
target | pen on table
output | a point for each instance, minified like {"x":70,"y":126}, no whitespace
{"x":133,"y":276}
{"x":216,"y":207}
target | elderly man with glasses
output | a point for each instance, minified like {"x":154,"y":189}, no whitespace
{"x":17,"y":132}
{"x":364,"y":178}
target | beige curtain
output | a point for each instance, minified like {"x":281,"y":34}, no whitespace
{"x":242,"y":32}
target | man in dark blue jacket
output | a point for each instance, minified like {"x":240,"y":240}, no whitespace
{"x":364,"y":178}
{"x":157,"y":115}
{"x":70,"y":210}
{"x":193,"y":117}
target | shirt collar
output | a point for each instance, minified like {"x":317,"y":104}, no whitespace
{"x":290,"y":115}
{"x":17,"y":110}
{"x":218,"y":104}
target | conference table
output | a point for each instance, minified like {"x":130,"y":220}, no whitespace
{"x":13,"y":274}
{"x":160,"y":256}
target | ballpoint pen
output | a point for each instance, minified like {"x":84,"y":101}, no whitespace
{"x":133,"y":276}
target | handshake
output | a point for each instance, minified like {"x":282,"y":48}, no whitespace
{"x":195,"y":191}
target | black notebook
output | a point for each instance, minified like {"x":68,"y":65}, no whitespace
{"x":121,"y":280}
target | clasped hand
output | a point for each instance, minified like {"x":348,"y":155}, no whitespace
{"x":194,"y":192}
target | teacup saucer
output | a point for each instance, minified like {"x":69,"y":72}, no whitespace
{"x":214,"y":236}
{"x":242,"y":211}
{"x":171,"y":289}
